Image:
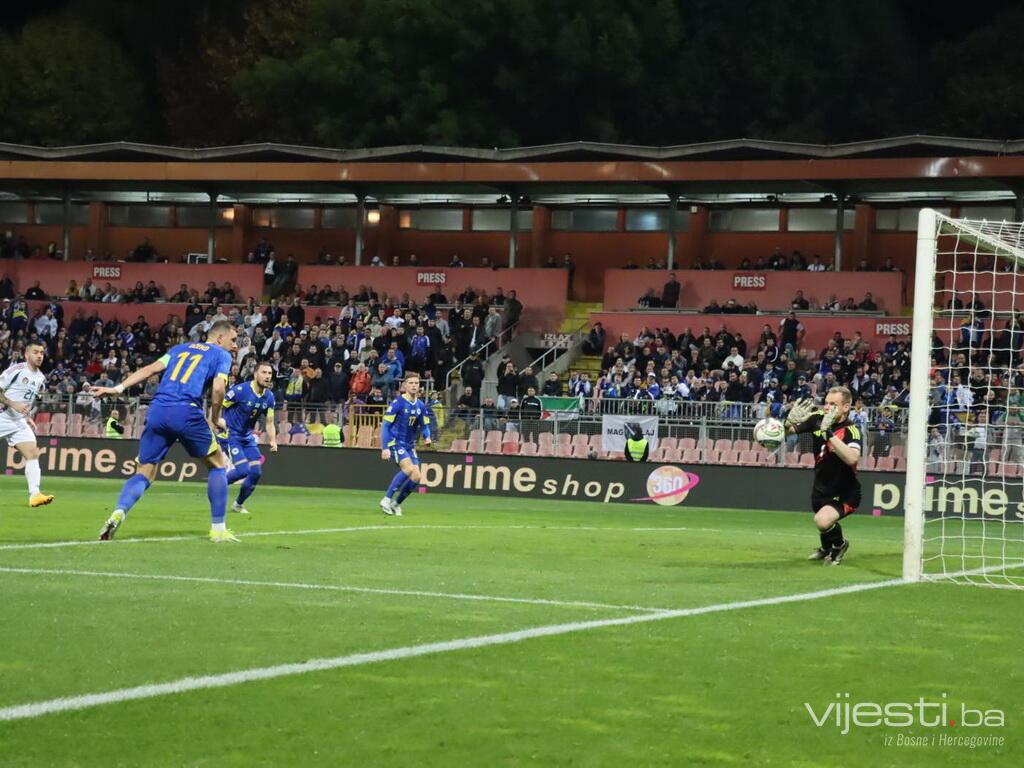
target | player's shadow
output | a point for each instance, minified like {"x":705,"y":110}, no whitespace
{"x":879,"y":564}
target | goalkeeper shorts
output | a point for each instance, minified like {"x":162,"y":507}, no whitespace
{"x":845,"y":503}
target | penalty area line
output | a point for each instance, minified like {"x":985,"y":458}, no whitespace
{"x":186,"y":684}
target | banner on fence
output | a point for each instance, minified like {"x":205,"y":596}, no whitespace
{"x":615,"y":428}
{"x":560,"y":408}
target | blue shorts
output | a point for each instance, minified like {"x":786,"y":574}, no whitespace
{"x":241,"y":448}
{"x":399,"y":452}
{"x":167,"y":424}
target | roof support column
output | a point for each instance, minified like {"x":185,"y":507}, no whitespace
{"x":66,"y":244}
{"x":837,"y":261}
{"x":673,"y":228}
{"x":360,"y":224}
{"x":211,"y":232}
{"x":513,"y":231}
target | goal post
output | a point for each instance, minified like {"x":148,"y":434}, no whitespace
{"x":920,"y":364}
{"x":962,"y":498}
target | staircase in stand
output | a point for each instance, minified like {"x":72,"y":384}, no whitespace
{"x":576,"y":314}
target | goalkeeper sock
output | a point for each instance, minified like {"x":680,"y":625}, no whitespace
{"x":217,"y":492}
{"x":131,"y":492}
{"x":833,"y":537}
{"x":409,"y":487}
{"x":396,"y":482}
{"x":238,"y":473}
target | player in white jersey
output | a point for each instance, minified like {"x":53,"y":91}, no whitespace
{"x":20,"y":385}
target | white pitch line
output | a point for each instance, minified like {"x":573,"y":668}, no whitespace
{"x":87,"y":701}
{"x":396,"y":527}
{"x":331,"y":588}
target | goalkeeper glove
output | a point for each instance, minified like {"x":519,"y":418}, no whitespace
{"x":800,"y":412}
{"x":828,"y":420}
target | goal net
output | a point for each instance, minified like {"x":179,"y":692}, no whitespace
{"x":965,"y":448}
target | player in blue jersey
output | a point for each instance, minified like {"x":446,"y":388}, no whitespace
{"x":406,"y":418}
{"x":176,"y":415}
{"x":244,"y":405}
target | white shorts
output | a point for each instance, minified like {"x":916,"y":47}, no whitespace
{"x":16,"y":431}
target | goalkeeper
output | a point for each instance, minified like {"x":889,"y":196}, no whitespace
{"x":837,"y":448}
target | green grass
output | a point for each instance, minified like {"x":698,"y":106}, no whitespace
{"x":722,"y":688}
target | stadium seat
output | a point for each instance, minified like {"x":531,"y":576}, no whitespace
{"x":42,"y":418}
{"x":901,"y":464}
{"x":475,"y":446}
{"x":510,"y":449}
{"x":686,"y":443}
{"x":300,"y":439}
{"x":564,"y":451}
{"x":741,"y":445}
{"x":528,"y":449}
{"x":545,"y":450}
{"x":494,"y":434}
{"x":76,"y":418}
{"x":137,"y":431}
{"x":597,"y":441}
{"x":580,"y":439}
{"x":581,"y":451}
{"x":867,"y":463}
{"x":673,"y":456}
{"x":346,"y":431}
{"x":806,"y":459}
{"x":43,"y":429}
{"x":563,"y":438}
{"x":885,"y":464}
{"x":723,"y":445}
{"x":668,"y":442}
{"x":459,"y":446}
{"x":316,"y":440}
{"x":545,"y":438}
{"x":492,"y":446}
{"x":58,"y":424}
{"x":90,"y":430}
{"x":898,"y":452}
{"x":690,"y":456}
{"x":728,"y":457}
{"x":749,"y":458}
{"x":657,"y":455}
{"x":284,"y":426}
{"x":74,"y":430}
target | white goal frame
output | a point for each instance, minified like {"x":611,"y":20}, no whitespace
{"x":931,"y":226}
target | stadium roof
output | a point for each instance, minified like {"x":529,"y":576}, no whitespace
{"x":884,"y":170}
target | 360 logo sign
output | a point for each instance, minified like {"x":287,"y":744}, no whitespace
{"x":670,"y":485}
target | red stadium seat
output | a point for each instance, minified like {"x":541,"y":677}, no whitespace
{"x":528,"y":449}
{"x":564,"y":451}
{"x":299,"y":439}
{"x":749,"y":458}
{"x":657,"y":455}
{"x":545,"y":450}
{"x":673,"y":456}
{"x":806,"y":459}
{"x":723,"y":445}
{"x":42,"y":418}
{"x":729,"y":457}
{"x":43,"y":429}
{"x":494,"y":434}
{"x":563,"y":438}
{"x":867,"y":463}
{"x":545,"y":438}
{"x":315,"y":440}
{"x":475,"y":446}
{"x":597,"y":442}
{"x":690,"y":456}
{"x":885,"y":464}
{"x":459,"y":446}
{"x":741,"y":445}
{"x":668,"y":442}
{"x":901,"y":464}
{"x":283,"y":438}
{"x":510,"y":449}
{"x":686,"y":443}
{"x":580,"y":451}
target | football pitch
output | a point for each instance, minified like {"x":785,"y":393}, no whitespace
{"x":479,"y":631}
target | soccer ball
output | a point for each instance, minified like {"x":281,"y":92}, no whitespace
{"x":769,"y":433}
